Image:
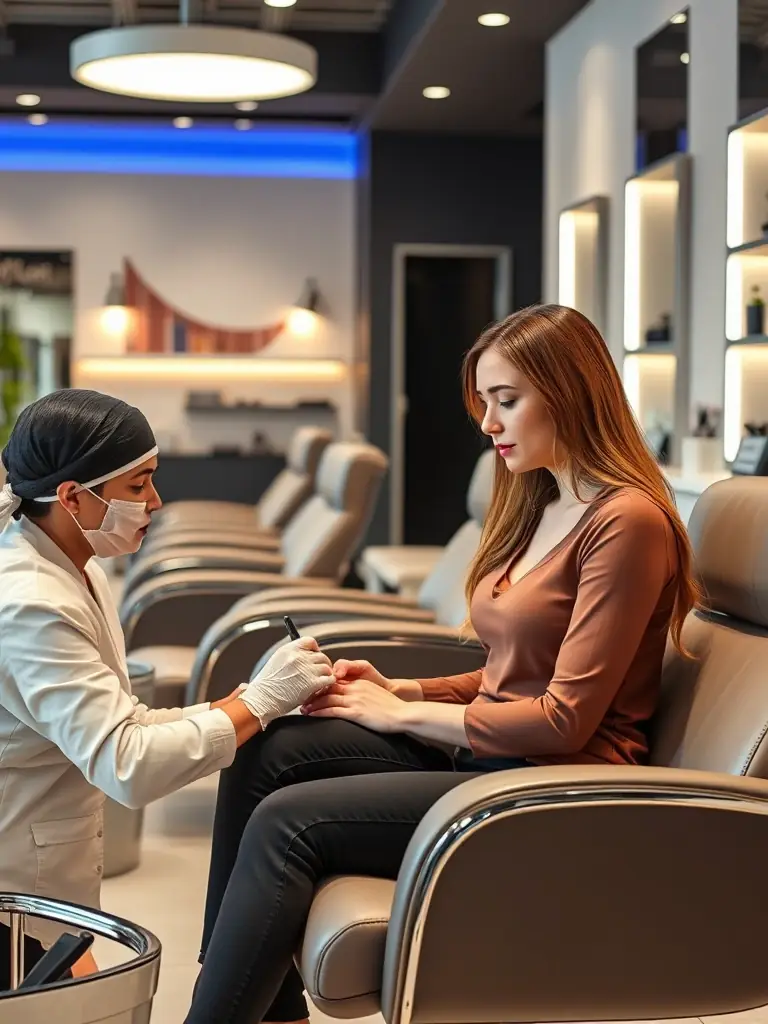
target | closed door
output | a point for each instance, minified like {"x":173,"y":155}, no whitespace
{"x":448,"y":302}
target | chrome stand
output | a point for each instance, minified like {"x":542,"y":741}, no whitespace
{"x":17,"y":949}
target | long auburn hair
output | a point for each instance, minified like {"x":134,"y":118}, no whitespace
{"x":564,"y":357}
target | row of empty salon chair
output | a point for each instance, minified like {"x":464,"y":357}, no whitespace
{"x":207,"y":664}
{"x":236,"y":642}
{"x":230,"y":523}
{"x":174,"y":593}
{"x":584,"y":892}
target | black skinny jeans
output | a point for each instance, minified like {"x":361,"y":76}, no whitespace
{"x":304,"y":800}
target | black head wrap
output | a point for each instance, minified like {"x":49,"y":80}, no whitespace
{"x":74,"y":435}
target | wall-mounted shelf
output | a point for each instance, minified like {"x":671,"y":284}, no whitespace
{"x":751,"y":339}
{"x":256,"y":409}
{"x":758,"y":247}
{"x":746,"y":355}
{"x":583,"y":258}
{"x":666,"y":348}
{"x":656,"y":258}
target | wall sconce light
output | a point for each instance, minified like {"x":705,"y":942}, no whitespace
{"x":304,"y":318}
{"x":115,"y":316}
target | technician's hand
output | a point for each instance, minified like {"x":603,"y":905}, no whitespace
{"x":360,"y":701}
{"x":292,"y":675}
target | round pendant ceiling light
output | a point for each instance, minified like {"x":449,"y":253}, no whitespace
{"x":196,"y":63}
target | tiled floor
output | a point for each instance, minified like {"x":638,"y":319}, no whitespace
{"x":166,"y":894}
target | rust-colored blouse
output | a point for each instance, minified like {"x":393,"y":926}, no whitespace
{"x":575,"y":646}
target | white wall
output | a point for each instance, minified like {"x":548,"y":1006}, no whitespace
{"x":590,"y":140}
{"x":230,"y":251}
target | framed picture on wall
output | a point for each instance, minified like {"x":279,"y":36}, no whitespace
{"x":36,"y":326}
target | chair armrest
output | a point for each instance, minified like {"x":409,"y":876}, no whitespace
{"x":237,"y":641}
{"x":213,"y":537}
{"x":176,"y":608}
{"x":173,"y":559}
{"x":400,"y":650}
{"x":636,"y":882}
{"x":340,"y":603}
{"x":355,"y":598}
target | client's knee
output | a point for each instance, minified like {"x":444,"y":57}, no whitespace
{"x":278,"y":820}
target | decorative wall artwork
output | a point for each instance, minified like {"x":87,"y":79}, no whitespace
{"x":36,"y":320}
{"x":158,"y":327}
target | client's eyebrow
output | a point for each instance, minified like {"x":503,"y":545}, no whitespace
{"x":500,"y":387}
{"x":142,"y":473}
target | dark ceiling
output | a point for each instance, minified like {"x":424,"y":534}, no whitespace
{"x":375,"y":57}
{"x":496,"y":75}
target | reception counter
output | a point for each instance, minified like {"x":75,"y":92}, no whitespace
{"x":216,"y":477}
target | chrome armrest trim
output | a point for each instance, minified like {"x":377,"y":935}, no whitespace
{"x":132,"y":609}
{"x":198,"y":688}
{"x":175,"y":563}
{"x":401,"y":638}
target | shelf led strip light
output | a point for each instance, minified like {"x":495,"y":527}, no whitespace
{"x":734,"y":291}
{"x":176,"y":368}
{"x":636,"y":193}
{"x":735,"y":197}
{"x":572,"y":224}
{"x":732,"y":428}
{"x":747,"y":162}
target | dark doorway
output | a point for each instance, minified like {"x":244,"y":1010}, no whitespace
{"x":449,"y":300}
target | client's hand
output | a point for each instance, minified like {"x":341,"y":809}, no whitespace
{"x":360,"y":701}
{"x":350,"y":670}
{"x":405,"y":689}
{"x":293,"y":673}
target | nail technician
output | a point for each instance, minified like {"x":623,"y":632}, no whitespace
{"x":79,"y":483}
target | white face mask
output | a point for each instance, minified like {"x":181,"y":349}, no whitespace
{"x":118,"y":533}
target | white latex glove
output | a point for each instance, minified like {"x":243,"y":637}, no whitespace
{"x":293,"y":673}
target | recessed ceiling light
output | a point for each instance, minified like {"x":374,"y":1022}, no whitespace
{"x":436,"y":92}
{"x":685,"y":58}
{"x":38,"y":119}
{"x":243,"y":124}
{"x":494,"y":20}
{"x":28,"y":99}
{"x":182,"y":122}
{"x":193,"y":63}
{"x":279,"y":3}
{"x":246,"y":106}
{"x":678,"y":19}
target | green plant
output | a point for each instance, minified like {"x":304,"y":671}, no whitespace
{"x":757,"y":299}
{"x":12,"y":366}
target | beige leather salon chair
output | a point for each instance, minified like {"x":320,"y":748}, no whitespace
{"x":588,"y":892}
{"x":348,"y":475}
{"x":201,"y":522}
{"x":233,"y":645}
{"x":403,"y":568}
{"x":172,"y":601}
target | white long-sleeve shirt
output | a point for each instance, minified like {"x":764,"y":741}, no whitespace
{"x":70,"y":729}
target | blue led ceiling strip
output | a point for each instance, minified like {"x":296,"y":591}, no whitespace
{"x":150,"y":149}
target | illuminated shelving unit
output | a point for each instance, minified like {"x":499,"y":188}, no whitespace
{"x":656,"y":258}
{"x":746,"y":356}
{"x":583,"y":258}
